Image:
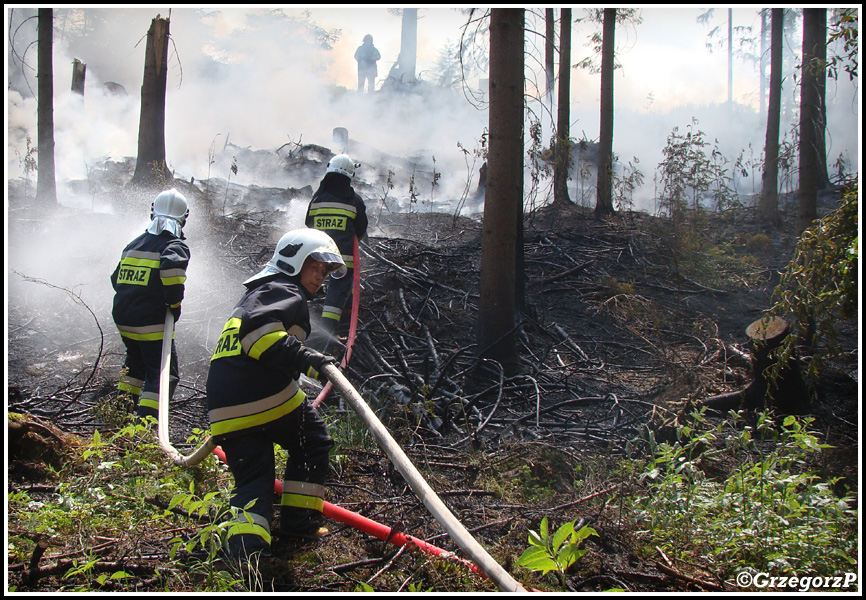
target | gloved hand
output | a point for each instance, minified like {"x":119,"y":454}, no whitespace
{"x":175,"y":310}
{"x":313,"y":363}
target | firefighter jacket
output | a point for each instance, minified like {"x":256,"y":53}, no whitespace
{"x":254,"y":370}
{"x":149,"y":278}
{"x":338,"y":211}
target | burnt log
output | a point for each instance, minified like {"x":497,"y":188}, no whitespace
{"x":79,"y":71}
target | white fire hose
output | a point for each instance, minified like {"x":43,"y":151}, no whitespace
{"x":162,"y":427}
{"x":424,"y":492}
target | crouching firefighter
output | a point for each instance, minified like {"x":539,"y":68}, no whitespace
{"x":341,"y":213}
{"x":254,"y":399}
{"x":148,"y":280}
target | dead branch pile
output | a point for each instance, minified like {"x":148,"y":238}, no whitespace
{"x":586,"y":376}
{"x":608,"y":342}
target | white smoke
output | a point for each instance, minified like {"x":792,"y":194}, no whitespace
{"x":251,"y":78}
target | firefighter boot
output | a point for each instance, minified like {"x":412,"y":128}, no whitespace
{"x":303,"y":523}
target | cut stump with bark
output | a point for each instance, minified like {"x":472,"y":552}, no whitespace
{"x":786,"y":392}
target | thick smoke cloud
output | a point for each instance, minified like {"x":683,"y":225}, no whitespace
{"x":256,"y":80}
{"x":261,"y":79}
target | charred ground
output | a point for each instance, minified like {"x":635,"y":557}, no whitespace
{"x":617,"y":339}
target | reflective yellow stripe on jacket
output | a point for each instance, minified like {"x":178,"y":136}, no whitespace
{"x":136,"y":266}
{"x":251,"y":414}
{"x":148,"y":333}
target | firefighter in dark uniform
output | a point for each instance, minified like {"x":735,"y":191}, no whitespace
{"x":148,"y":280}
{"x":341,"y":213}
{"x":254,"y":399}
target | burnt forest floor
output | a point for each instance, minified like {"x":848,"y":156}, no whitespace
{"x":620,"y":336}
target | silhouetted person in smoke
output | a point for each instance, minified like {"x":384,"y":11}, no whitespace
{"x":341,"y":213}
{"x":148,"y":281}
{"x":367,"y":55}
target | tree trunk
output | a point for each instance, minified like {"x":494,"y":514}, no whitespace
{"x":788,"y":393}
{"x":549,"y":52}
{"x":769,"y":201}
{"x":497,"y":338}
{"x":811,"y":116}
{"x":730,"y":57}
{"x":821,"y":83}
{"x":150,"y":164}
{"x":762,"y":63}
{"x":563,"y":141}
{"x":79,"y":71}
{"x":604,"y":191}
{"x":46,"y":184}
{"x":409,"y":44}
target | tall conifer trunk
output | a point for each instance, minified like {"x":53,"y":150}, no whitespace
{"x":604,"y":191}
{"x":503,"y":205}
{"x":46,"y":184}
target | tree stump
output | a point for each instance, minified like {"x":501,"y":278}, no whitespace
{"x":35,"y":448}
{"x":787,"y":393}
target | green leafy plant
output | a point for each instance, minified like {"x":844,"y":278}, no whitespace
{"x":693,"y":176}
{"x":558,"y":552}
{"x":689,"y":176}
{"x":770,"y":512}
{"x":211,"y":508}
{"x":819,"y":286}
{"x":625,"y":184}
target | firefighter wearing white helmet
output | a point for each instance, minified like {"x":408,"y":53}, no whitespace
{"x":168,"y":212}
{"x":254,"y":398}
{"x":341,"y":213}
{"x":149,"y":279}
{"x":342,"y":164}
{"x":295,"y":247}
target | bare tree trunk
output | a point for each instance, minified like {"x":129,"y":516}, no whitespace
{"x":821,"y":83}
{"x":150,"y":165}
{"x":811,"y":116}
{"x":497,"y":338}
{"x":762,"y":63}
{"x":46,"y":184}
{"x":769,"y":201}
{"x":563,"y":139}
{"x":786,"y":391}
{"x":409,"y":44}
{"x":549,"y":52}
{"x":730,"y":57}
{"x":604,"y":192}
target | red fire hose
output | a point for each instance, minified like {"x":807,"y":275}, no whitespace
{"x":377,"y":530}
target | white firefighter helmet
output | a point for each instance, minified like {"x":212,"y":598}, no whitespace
{"x":171,"y":204}
{"x":343,"y":164}
{"x":168,"y":212}
{"x":296,"y":246}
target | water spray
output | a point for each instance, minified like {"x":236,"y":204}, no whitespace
{"x":353,"y":322}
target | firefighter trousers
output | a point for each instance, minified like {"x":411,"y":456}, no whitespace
{"x":141,"y":379}
{"x":250,"y":457}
